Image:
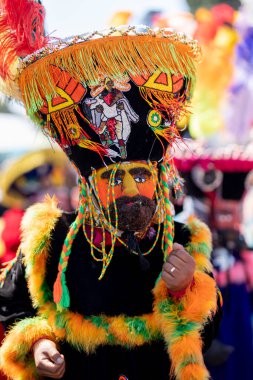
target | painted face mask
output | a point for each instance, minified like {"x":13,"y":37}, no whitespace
{"x":128,"y":194}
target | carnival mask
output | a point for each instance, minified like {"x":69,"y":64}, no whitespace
{"x":127,"y":192}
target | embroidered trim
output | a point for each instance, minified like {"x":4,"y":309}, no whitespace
{"x":179,"y":322}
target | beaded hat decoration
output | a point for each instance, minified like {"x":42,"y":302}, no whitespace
{"x":105,"y":97}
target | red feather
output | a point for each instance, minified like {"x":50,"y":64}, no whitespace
{"x":21,"y":31}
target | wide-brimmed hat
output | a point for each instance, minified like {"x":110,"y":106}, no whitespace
{"x":105,"y":96}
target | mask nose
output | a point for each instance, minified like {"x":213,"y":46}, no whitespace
{"x":129,"y":186}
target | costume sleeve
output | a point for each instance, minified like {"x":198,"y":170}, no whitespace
{"x":24,"y":327}
{"x":16,"y":360}
{"x":15,"y":302}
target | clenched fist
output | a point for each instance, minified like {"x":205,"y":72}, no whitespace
{"x":178,"y":269}
{"x":49,"y":362}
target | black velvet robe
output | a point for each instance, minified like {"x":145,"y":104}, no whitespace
{"x":126,"y":289}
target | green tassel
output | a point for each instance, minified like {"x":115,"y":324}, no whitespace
{"x":65,"y":298}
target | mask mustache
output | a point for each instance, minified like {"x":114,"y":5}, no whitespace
{"x":134,"y":213}
{"x":137,"y":199}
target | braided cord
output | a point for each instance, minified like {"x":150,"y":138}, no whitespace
{"x":168,"y":233}
{"x":89,"y":220}
{"x":60,"y":291}
{"x":113,"y":231}
{"x":97,"y":213}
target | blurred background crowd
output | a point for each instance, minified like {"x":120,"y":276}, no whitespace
{"x":215,"y":158}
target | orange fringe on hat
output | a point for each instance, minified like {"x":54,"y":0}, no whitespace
{"x":116,"y":56}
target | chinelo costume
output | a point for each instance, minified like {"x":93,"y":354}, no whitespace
{"x":111,"y":100}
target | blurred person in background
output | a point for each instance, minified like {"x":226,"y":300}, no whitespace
{"x":24,"y":181}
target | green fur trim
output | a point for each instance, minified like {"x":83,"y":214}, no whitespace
{"x":16,"y":360}
{"x":166,"y":322}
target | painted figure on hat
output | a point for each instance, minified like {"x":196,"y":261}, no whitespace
{"x":112,"y":114}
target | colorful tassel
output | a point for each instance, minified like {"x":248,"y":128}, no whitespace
{"x":60,"y":291}
{"x":175,"y":181}
{"x":168,"y":221}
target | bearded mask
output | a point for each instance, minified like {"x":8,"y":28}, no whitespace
{"x":130,"y":198}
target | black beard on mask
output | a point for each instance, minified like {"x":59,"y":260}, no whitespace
{"x":134,"y":213}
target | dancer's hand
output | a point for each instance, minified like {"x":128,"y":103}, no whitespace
{"x":178,"y":269}
{"x":48,"y":361}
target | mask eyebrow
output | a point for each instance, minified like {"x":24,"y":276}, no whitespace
{"x":107,"y":173}
{"x":140,"y":171}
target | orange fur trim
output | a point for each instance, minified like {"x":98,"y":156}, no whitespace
{"x":196,"y":306}
{"x":185,"y":348}
{"x":37,"y":223}
{"x":190,"y":343}
{"x":200,"y":234}
{"x":194,"y":372}
{"x":15,"y":360}
{"x":201,"y":300}
{"x":84,"y":334}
